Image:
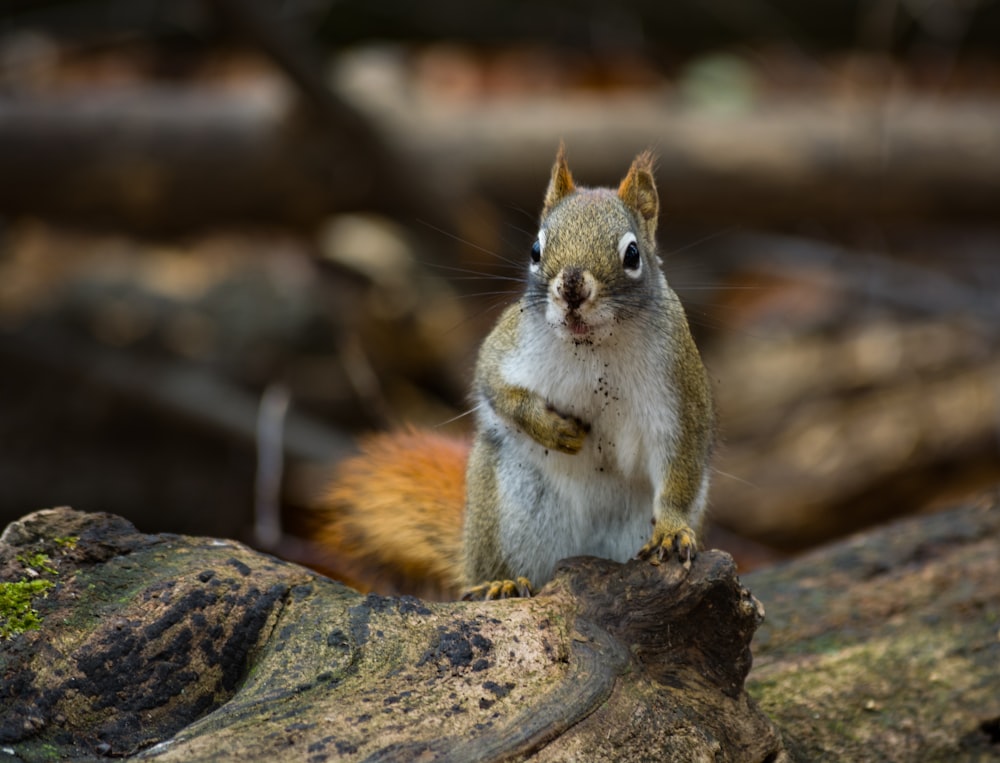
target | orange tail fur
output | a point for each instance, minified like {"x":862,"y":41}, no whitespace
{"x":392,"y":518}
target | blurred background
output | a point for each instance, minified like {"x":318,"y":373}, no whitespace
{"x":235,"y":235}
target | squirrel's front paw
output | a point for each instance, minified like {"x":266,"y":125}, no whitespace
{"x":668,"y":539}
{"x":499,"y":589}
{"x":564,"y":433}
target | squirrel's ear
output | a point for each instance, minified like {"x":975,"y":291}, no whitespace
{"x":638,"y":191}
{"x":561,"y":184}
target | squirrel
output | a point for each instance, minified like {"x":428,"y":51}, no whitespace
{"x":594,"y":422}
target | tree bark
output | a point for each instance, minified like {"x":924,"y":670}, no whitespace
{"x":883,"y":647}
{"x":193,"y":649}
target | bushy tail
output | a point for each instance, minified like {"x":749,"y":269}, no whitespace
{"x":391,"y":519}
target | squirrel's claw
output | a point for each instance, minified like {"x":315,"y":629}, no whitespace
{"x":668,"y":541}
{"x":499,"y":589}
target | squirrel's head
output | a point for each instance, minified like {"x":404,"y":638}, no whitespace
{"x":594,"y":263}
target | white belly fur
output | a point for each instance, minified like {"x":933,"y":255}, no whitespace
{"x":599,"y":501}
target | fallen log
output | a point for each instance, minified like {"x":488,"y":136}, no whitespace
{"x":197,"y":649}
{"x":161,"y":159}
{"x":883,"y":647}
{"x":827,"y":435}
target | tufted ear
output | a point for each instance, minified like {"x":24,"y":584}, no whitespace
{"x":561,"y":184}
{"x":638,"y":191}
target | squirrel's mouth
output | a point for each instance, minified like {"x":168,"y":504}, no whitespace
{"x":577,"y":326}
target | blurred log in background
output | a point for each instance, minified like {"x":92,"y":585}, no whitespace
{"x":229,"y":230}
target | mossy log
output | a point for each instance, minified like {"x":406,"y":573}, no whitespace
{"x":166,"y":647}
{"x":886,"y":647}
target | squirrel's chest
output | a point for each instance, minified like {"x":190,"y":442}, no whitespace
{"x":626,"y":400}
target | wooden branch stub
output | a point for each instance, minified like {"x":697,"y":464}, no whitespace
{"x":193,"y":649}
{"x":673,"y":618}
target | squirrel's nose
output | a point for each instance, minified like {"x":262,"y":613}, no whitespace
{"x":574,"y":287}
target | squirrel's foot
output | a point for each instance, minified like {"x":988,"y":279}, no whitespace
{"x":668,"y":540}
{"x":499,"y":589}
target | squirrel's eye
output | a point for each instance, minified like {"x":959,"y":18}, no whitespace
{"x":631,"y":259}
{"x":536,"y":251}
{"x":628,"y":250}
